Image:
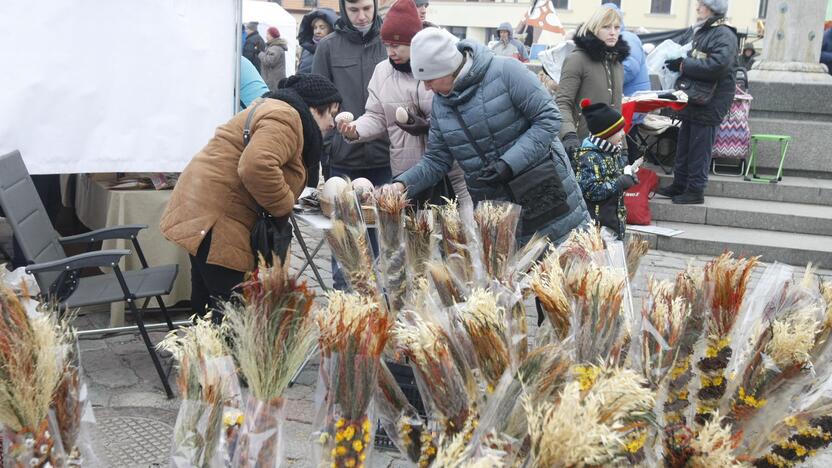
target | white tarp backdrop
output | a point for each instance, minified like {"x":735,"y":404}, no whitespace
{"x":115,"y":86}
{"x":271,"y":14}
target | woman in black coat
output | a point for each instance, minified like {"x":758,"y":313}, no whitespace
{"x":707,"y":75}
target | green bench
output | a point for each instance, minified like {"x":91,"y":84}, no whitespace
{"x":751,"y":170}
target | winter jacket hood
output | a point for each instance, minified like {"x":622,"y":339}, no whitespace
{"x":278,"y":42}
{"x":305,"y":33}
{"x":511,"y":117}
{"x":598,"y":50}
{"x":344,"y":26}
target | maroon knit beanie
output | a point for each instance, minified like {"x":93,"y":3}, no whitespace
{"x":274,"y":32}
{"x":401,"y":23}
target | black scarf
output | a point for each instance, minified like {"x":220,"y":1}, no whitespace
{"x":404,"y":68}
{"x":312,"y":139}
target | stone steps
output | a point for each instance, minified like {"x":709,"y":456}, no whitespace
{"x":789,"y":248}
{"x":788,"y":222}
{"x":790,"y":189}
{"x":800,"y":218}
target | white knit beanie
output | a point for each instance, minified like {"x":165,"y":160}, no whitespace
{"x":433,"y":54}
{"x":720,"y":7}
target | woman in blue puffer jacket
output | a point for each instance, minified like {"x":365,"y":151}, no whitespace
{"x":512,"y":120}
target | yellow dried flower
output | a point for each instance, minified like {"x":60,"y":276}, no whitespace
{"x":750,"y":400}
{"x":637,"y":443}
{"x":340,"y":451}
{"x":357,"y":446}
{"x":349,"y":433}
{"x":586,"y":376}
{"x":339,"y":423}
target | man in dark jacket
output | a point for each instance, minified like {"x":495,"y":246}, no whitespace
{"x":254,"y":45}
{"x":493,"y":117}
{"x":348,"y":58}
{"x":708,"y":69}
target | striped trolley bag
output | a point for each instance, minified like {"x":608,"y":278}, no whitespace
{"x":733,"y":139}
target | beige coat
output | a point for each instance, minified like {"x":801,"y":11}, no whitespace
{"x":221,"y":187}
{"x":390,"y":89}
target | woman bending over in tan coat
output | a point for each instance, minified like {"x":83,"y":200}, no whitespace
{"x":216,"y":200}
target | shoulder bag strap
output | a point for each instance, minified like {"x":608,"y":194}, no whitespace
{"x":247,"y":127}
{"x":470,"y":137}
{"x":246,"y":139}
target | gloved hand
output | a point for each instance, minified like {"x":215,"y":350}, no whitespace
{"x":674,"y":65}
{"x":495,"y":173}
{"x":571,"y":142}
{"x":416,"y":125}
{"x":626,"y":181}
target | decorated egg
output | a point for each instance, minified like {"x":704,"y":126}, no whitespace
{"x":332,"y":187}
{"x":362,"y":185}
{"x":345,"y":117}
{"x":401,"y":115}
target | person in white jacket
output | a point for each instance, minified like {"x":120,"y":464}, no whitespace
{"x":393,"y":86}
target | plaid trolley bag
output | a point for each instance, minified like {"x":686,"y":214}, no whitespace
{"x":733,"y":139}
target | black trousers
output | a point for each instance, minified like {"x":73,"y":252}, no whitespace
{"x":693,"y":156}
{"x":211,"y":285}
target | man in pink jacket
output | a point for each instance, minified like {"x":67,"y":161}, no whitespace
{"x":393,"y":86}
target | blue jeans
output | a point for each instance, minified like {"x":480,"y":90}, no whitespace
{"x":693,"y":156}
{"x":378,"y":176}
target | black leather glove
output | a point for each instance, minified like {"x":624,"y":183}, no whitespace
{"x":495,"y":173}
{"x":416,"y":125}
{"x":626,"y":181}
{"x":571,"y":142}
{"x":674,"y":65}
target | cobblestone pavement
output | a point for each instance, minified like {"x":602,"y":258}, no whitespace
{"x":135,"y":420}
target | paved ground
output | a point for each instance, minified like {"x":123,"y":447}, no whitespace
{"x":135,"y":419}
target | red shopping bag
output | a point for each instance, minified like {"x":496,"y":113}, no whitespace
{"x":637,"y":198}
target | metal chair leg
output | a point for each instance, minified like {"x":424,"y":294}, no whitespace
{"x":305,"y":249}
{"x":151,"y":349}
{"x":303,"y":366}
{"x":164,"y":310}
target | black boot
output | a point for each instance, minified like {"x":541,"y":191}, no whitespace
{"x":670,"y":191}
{"x":690,"y":197}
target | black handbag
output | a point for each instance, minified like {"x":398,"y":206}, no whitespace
{"x":269,"y":235}
{"x":699,"y":92}
{"x":537,"y":190}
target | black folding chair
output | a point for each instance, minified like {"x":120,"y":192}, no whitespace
{"x":57,"y":275}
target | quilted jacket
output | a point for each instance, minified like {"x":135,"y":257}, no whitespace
{"x":512,"y":117}
{"x":390,"y":89}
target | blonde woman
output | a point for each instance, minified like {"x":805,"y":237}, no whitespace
{"x":594,"y":71}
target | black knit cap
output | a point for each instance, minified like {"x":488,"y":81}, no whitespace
{"x":315,"y":90}
{"x":602,"y":120}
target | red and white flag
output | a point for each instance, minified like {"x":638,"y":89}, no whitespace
{"x":543,"y":17}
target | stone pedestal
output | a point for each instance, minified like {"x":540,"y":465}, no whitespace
{"x":792,"y":90}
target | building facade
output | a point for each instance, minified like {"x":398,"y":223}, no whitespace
{"x":479,"y":19}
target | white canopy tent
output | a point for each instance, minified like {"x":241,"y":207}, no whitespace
{"x":115,"y":86}
{"x":272,"y":14}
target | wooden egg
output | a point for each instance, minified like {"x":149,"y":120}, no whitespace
{"x":332,"y":187}
{"x":401,"y":115}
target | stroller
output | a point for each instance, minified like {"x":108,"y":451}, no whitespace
{"x":655,"y":140}
{"x":733,"y":139}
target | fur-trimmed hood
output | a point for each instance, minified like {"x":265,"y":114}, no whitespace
{"x":598,"y":51}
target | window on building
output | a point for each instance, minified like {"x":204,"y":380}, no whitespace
{"x":763,"y":9}
{"x":490,"y":35}
{"x":617,"y":2}
{"x":561,"y":4}
{"x":458,"y":31}
{"x":660,"y":7}
{"x":310,"y":3}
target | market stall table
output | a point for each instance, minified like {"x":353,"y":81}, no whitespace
{"x":97,"y":206}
